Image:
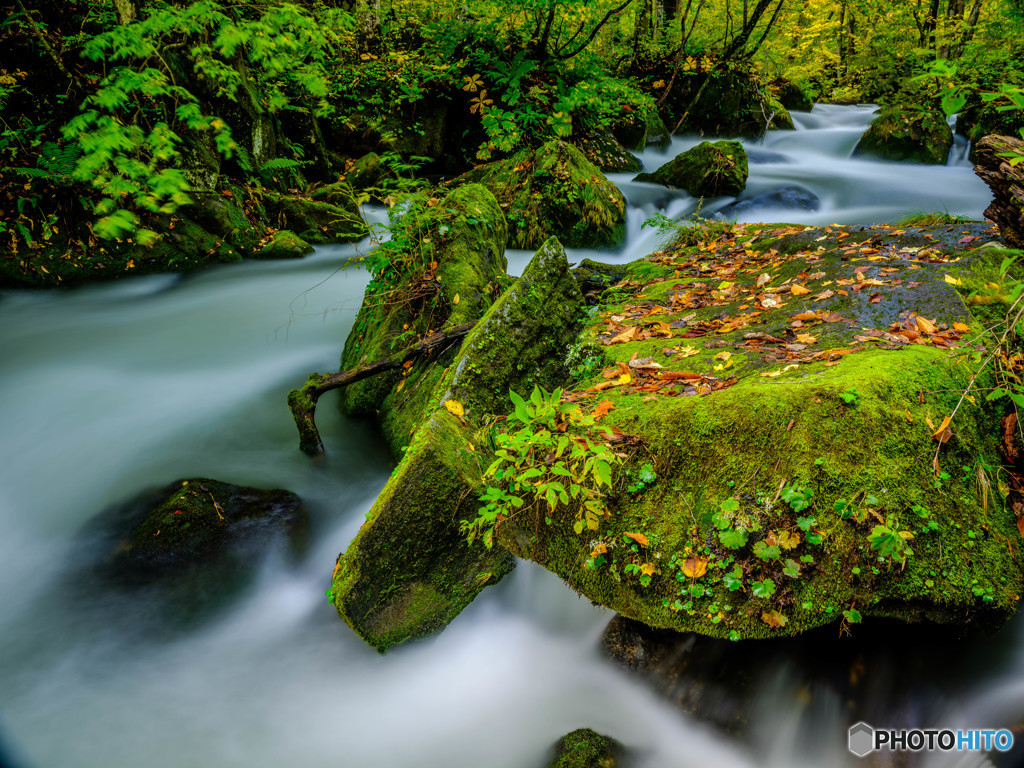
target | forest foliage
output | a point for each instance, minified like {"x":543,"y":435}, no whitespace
{"x":110,"y":109}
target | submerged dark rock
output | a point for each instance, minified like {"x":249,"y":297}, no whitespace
{"x":788,"y":198}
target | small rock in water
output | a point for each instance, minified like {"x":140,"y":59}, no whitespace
{"x":584,"y":748}
{"x":757,"y":156}
{"x":788,"y":198}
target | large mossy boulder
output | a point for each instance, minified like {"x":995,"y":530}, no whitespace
{"x":791,"y":95}
{"x":328,"y":215}
{"x":605,"y":151}
{"x":554,"y":190}
{"x":1006,"y":181}
{"x":729,"y":104}
{"x":711,"y":169}
{"x":637,"y":131}
{"x":409,"y":571}
{"x":785,"y":402}
{"x":284,"y":244}
{"x":585,"y":748}
{"x":901,"y":132}
{"x":464,"y":236}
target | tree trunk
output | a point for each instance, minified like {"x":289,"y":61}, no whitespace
{"x":1007,"y":184}
{"x":302,"y":402}
{"x":126,"y":11}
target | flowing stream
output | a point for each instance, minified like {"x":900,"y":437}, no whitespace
{"x":107,"y":390}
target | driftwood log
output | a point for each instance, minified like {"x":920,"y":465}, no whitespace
{"x":302,"y":402}
{"x":1007,"y":184}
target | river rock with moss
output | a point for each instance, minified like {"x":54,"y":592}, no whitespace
{"x":767,"y":428}
{"x":804,"y":434}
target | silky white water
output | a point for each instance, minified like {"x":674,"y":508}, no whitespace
{"x":111,"y":389}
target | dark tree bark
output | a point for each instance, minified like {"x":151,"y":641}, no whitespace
{"x":302,"y":402}
{"x":1007,"y":184}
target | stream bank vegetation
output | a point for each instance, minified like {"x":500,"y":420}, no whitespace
{"x":148,"y":136}
{"x":761,"y":429}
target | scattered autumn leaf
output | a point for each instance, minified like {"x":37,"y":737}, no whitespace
{"x":774,"y":619}
{"x":639,"y":538}
{"x":694,"y":567}
{"x":799,"y":290}
{"x":455,"y":408}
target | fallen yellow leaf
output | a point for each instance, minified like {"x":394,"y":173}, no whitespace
{"x":694,"y":567}
{"x":799,"y":290}
{"x":455,"y":408}
{"x":923,"y":325}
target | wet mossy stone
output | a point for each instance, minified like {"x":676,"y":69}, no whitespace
{"x":328,"y":216}
{"x":409,"y":571}
{"x":638,"y":131}
{"x":466,"y":239}
{"x":554,"y":190}
{"x":522,"y":339}
{"x":791,"y":96}
{"x":285,"y":244}
{"x":605,"y":151}
{"x":585,"y":748}
{"x":194,"y":522}
{"x":366,"y":171}
{"x":904,"y":132}
{"x":711,"y":169}
{"x":594,"y":278}
{"x":854,"y":424}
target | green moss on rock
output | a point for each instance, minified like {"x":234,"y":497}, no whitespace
{"x":707,"y":170}
{"x":409,"y":571}
{"x":605,"y":151}
{"x":900,"y":132}
{"x":584,"y":748}
{"x":465,"y":236}
{"x":846,"y":412}
{"x":521,"y":340}
{"x":554,"y":190}
{"x":329,"y":216}
{"x":284,"y":245}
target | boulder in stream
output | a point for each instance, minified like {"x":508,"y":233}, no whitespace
{"x":284,"y":244}
{"x":793,"y":438}
{"x":711,"y":169}
{"x":912,"y":133}
{"x":195,"y":522}
{"x":790,"y":198}
{"x":409,"y":570}
{"x":554,"y":190}
{"x":585,"y":748}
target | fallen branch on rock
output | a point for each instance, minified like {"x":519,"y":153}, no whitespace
{"x":302,"y":402}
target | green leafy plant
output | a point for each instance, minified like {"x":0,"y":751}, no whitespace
{"x":552,"y":456}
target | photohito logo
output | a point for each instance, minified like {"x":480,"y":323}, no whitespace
{"x":863,"y":740}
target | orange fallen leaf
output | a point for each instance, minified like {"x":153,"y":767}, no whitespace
{"x":961,"y":327}
{"x":647,"y":569}
{"x":639,"y":538}
{"x":602,"y":409}
{"x":942,"y":428}
{"x":694,"y":567}
{"x":799,"y":290}
{"x":924,"y":325}
{"x":627,"y":335}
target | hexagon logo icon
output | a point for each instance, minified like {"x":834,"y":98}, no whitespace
{"x":862,"y":739}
